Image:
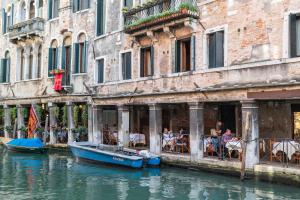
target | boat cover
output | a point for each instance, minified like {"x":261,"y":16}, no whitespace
{"x":30,"y":143}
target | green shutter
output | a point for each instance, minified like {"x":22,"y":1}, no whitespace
{"x":75,"y":5}
{"x":76,"y":64}
{"x":100,"y":17}
{"x":12,"y":15}
{"x":3,"y":21}
{"x":152,"y":60}
{"x":220,"y":49}
{"x":85,"y":56}
{"x":177,"y":56}
{"x":293,"y":35}
{"x":4,"y":67}
{"x":1,"y":71}
{"x":63,"y":58}
{"x":193,"y":47}
{"x":50,"y":59}
{"x":50,"y":5}
{"x":212,"y":50}
{"x":100,"y":71}
{"x":56,"y":61}
{"x":128,"y":65}
{"x":8,"y":70}
{"x":142,"y":59}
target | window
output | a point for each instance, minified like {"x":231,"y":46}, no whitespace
{"x":80,"y":5}
{"x":128,"y":3}
{"x":100,"y":71}
{"x":40,"y":8}
{"x":23,"y":12}
{"x":126,"y":66}
{"x":53,"y":57}
{"x":295,"y":35}
{"x":100,"y":21}
{"x":39,"y":62}
{"x":81,"y":49}
{"x":66,"y":60}
{"x":31,"y":10}
{"x":147,"y":65}
{"x":53,"y":8}
{"x":30,"y":70}
{"x":22,"y":62}
{"x":183,"y":55}
{"x":5,"y":69}
{"x":7,"y":18}
{"x":216,"y":49}
{"x":4,"y":21}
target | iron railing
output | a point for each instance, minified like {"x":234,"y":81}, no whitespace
{"x":157,"y":9}
{"x":32,"y":26}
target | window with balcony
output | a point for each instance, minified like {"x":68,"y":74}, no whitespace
{"x":81,"y":49}
{"x":31,"y":9}
{"x":100,"y":20}
{"x":183,"y":55}
{"x":126,"y":65}
{"x":53,"y":8}
{"x":100,"y":71}
{"x":295,"y":35}
{"x":66,"y":60}
{"x":147,"y":62}
{"x":80,"y":5}
{"x":5,"y":69}
{"x":53,"y":57}
{"x":216,"y":49}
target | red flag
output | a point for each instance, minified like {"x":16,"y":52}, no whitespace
{"x":58,"y":81}
{"x":32,"y":123}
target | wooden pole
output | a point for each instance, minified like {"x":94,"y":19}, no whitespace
{"x":45,"y":131}
{"x":244,"y":145}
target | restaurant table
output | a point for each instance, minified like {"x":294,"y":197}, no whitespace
{"x":288,"y":147}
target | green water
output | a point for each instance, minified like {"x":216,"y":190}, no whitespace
{"x":59,"y":176}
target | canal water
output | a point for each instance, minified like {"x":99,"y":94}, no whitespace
{"x":60,"y":176}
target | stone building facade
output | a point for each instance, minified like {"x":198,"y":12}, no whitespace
{"x":144,"y":66}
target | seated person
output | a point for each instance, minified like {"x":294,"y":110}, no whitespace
{"x":168,"y":138}
{"x":226,"y":137}
{"x":214,"y":139}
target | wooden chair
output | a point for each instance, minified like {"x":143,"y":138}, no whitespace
{"x":272,"y":141}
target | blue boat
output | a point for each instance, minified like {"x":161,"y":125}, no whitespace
{"x":149,"y":158}
{"x":26,"y":145}
{"x":105,"y":154}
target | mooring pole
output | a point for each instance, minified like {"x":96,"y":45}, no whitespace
{"x":244,"y":146}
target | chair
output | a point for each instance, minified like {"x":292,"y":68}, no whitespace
{"x":272,"y":141}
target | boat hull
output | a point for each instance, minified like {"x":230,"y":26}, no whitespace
{"x":104,"y":157}
{"x":25,"y":149}
{"x":154,"y":161}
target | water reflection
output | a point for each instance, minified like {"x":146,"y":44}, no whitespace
{"x":59,"y":176}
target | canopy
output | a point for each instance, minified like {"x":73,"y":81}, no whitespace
{"x":30,"y":143}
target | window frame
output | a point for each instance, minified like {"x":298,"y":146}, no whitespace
{"x":142,"y":63}
{"x":121,"y":65}
{"x":96,"y":70}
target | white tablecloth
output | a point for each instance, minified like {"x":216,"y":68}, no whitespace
{"x":137,"y":138}
{"x":234,"y":145}
{"x":288,"y":147}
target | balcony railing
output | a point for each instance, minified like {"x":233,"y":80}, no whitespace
{"x":27,"y":28}
{"x":158,"y":12}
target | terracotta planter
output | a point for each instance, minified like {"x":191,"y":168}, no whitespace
{"x":184,"y":11}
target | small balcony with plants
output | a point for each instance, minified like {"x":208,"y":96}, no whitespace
{"x":155,"y":14}
{"x":25,"y":29}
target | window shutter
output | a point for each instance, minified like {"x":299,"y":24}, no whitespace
{"x":75,"y":5}
{"x":3,"y":21}
{"x":293,"y":35}
{"x":8,"y":70}
{"x":128,"y":65}
{"x":4,"y":67}
{"x":152,"y":60}
{"x":123,"y":66}
{"x":101,"y":71}
{"x":193,"y":47}
{"x":85,"y":56}
{"x":76,"y":64}
{"x":12,"y":15}
{"x":50,"y":5}
{"x":63,"y":58}
{"x":50,"y":60}
{"x":177,"y":56}
{"x":100,"y":17}
{"x":142,"y":58}
{"x":220,"y":49}
{"x":89,"y":3}
{"x":57,"y":58}
{"x":212,"y":50}
{"x":1,"y":71}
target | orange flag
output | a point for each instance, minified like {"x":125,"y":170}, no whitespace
{"x":32,"y":123}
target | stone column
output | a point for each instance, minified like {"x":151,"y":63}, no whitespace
{"x":90,"y":123}
{"x":196,"y":130}
{"x":7,"y":120}
{"x":155,"y":128}
{"x":53,"y":122}
{"x":70,"y":122}
{"x":97,"y":125}
{"x":250,"y":122}
{"x":123,"y":125}
{"x":20,"y":120}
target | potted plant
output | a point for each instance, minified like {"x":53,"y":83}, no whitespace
{"x":9,"y":130}
{"x":23,"y":131}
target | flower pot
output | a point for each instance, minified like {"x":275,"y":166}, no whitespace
{"x":184,"y":11}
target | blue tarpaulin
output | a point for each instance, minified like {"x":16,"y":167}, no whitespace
{"x":30,"y":143}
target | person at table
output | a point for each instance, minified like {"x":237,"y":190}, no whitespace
{"x":226,"y":137}
{"x":214,"y":139}
{"x":168,"y":138}
{"x":220,"y":128}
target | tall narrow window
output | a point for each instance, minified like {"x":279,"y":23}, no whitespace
{"x":126,"y":65}
{"x":4,"y":21}
{"x":216,"y":49}
{"x":5,"y":68}
{"x":39,"y":67}
{"x":183,"y":55}
{"x":128,"y":3}
{"x":81,"y":49}
{"x":80,"y":5}
{"x":53,"y":57}
{"x":66,"y":60}
{"x":31,"y":10}
{"x":147,"y":65}
{"x":40,"y":8}
{"x":53,"y":8}
{"x":100,"y":71}
{"x":295,"y":35}
{"x":30,"y":70}
{"x":23,"y":12}
{"x":22,"y":63}
{"x":100,"y":21}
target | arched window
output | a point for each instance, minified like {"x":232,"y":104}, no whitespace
{"x":66,"y":60}
{"x":30,"y":70}
{"x":39,"y":62}
{"x":23,"y":12}
{"x":53,"y":56}
{"x":31,"y":9}
{"x":5,"y":68}
{"x":81,"y":54}
{"x":22,"y":63}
